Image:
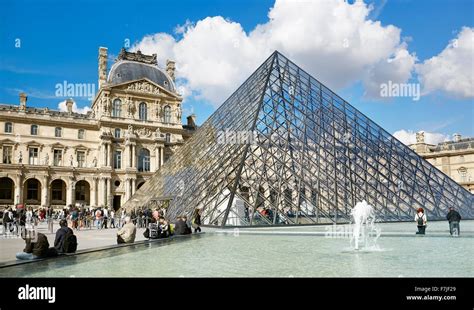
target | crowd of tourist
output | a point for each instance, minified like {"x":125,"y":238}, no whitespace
{"x":75,"y":218}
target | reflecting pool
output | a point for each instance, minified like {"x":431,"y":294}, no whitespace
{"x":285,"y":252}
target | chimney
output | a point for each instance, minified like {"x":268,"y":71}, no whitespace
{"x":170,"y":67}
{"x":69,"y":104}
{"x":102,"y":66}
{"x":191,"y":121}
{"x":457,"y":137}
{"x":23,"y":98}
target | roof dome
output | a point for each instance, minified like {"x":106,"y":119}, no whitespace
{"x":125,"y":70}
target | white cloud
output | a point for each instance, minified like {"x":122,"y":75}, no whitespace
{"x":63,"y":108}
{"x":333,"y":40}
{"x":396,"y":69}
{"x":409,"y":137}
{"x":452,"y":70}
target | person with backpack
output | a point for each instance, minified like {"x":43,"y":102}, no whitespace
{"x":66,"y":241}
{"x":453,"y":218}
{"x":127,"y":233}
{"x":420,"y":219}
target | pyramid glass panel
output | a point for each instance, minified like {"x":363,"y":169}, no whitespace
{"x":283,"y":149}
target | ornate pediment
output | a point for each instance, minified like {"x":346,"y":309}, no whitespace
{"x":143,"y":87}
{"x":58,"y":145}
{"x":7,"y":142}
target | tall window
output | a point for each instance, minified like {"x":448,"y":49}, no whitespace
{"x":144,"y":160}
{"x":80,"y":134}
{"x":33,"y":155}
{"x":57,"y":157}
{"x":32,"y":189}
{"x":6,"y":189}
{"x":58,"y":132}
{"x":81,"y":159}
{"x":117,"y":108}
{"x":34,"y":130}
{"x":57,"y":190}
{"x":8,"y":127}
{"x":168,"y":138}
{"x":118,"y":160}
{"x":167,"y":119}
{"x":142,"y":111}
{"x":7,"y":155}
{"x":117,"y":133}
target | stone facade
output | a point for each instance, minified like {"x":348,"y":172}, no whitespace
{"x":100,"y":158}
{"x":454,"y":158}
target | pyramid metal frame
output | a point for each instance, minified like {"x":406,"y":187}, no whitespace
{"x":314,"y":157}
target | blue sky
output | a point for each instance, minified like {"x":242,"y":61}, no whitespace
{"x":59,"y":41}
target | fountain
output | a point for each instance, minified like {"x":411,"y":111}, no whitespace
{"x":365,"y":230}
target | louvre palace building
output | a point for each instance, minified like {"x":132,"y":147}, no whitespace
{"x":54,"y":158}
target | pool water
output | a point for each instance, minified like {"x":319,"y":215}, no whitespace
{"x":216,"y":254}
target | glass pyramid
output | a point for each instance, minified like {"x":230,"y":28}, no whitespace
{"x":283,"y":149}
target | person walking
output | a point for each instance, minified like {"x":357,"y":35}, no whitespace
{"x":197,"y":220}
{"x":420,"y":219}
{"x":112,"y":218}
{"x":453,"y":218}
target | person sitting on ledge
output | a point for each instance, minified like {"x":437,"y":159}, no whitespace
{"x":181,"y":227}
{"x":35,"y":247}
{"x":127,"y":233}
{"x":65,"y":241}
{"x":164,"y":228}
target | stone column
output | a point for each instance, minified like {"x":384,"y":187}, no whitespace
{"x":101,"y":192}
{"x":93,"y":193}
{"x":134,"y":186}
{"x":70,"y":199}
{"x":127,"y":190}
{"x":45,"y":192}
{"x":161,"y":156}
{"x":134,"y":157}
{"x":109,"y":196}
{"x":111,"y":156}
{"x":126,"y":156}
{"x":18,"y":189}
{"x":157,"y":158}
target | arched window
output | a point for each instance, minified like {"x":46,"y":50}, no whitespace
{"x":34,"y":130}
{"x":142,"y":111}
{"x":168,"y":138}
{"x":8,"y":127}
{"x":117,"y":108}
{"x":144,"y":160}
{"x":167,"y":119}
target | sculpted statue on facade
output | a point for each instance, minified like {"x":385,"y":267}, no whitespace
{"x":420,"y":137}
